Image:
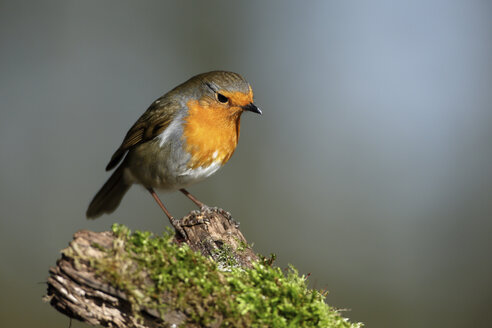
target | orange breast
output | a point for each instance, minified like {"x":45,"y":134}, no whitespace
{"x":211,"y":133}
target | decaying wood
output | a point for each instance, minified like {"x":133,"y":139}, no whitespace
{"x":75,"y":290}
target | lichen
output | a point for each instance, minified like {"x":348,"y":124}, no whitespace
{"x":157,"y":273}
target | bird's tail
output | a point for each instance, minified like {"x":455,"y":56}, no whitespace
{"x":109,"y":197}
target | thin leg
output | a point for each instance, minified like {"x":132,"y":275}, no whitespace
{"x":193,"y":198}
{"x":175,"y":223}
{"x":205,"y":208}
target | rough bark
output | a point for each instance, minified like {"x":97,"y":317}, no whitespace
{"x":75,"y":289}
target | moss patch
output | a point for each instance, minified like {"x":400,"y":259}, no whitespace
{"x":154,"y":272}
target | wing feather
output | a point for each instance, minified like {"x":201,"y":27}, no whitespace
{"x":152,"y":123}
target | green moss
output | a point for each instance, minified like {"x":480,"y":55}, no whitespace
{"x":153,"y":271}
{"x":226,"y":258}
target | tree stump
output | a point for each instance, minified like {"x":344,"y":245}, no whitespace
{"x":211,"y":278}
{"x":78,"y":292}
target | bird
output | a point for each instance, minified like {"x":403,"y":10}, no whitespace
{"x":183,"y":137}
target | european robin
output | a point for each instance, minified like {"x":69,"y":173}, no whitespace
{"x":184,"y":137}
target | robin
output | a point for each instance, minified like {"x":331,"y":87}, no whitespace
{"x":184,"y":137}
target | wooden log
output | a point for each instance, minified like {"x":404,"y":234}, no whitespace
{"x":211,"y":278}
{"x":76,"y":290}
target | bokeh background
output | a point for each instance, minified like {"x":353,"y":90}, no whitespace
{"x":371,"y":167}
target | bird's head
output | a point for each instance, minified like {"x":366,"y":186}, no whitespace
{"x":224,"y":93}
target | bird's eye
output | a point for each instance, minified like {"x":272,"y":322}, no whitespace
{"x":221,"y":98}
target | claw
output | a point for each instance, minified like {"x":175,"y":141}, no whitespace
{"x":178,"y":227}
{"x":207,"y":210}
{"x":192,"y":221}
{"x":195,"y":212}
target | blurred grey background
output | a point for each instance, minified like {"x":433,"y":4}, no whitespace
{"x":371,"y":167}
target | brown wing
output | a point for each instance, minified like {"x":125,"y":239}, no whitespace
{"x":155,"y":120}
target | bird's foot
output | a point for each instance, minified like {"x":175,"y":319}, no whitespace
{"x":207,"y":210}
{"x":195,"y":218}
{"x":178,"y":227}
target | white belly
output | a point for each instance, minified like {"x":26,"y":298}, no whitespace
{"x":201,"y":172}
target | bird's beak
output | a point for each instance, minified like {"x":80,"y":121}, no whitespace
{"x":252,"y":108}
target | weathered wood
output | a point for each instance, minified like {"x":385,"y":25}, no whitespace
{"x":75,"y":289}
{"x":219,"y":230}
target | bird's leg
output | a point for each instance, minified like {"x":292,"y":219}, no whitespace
{"x":205,"y":208}
{"x":175,"y":223}
{"x":198,"y":203}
